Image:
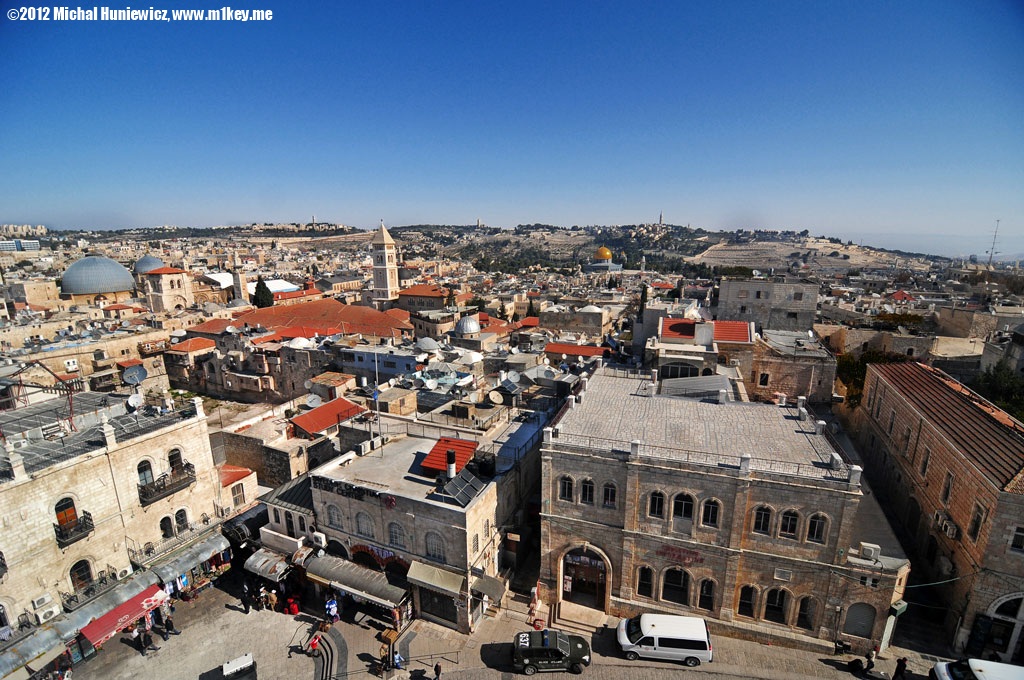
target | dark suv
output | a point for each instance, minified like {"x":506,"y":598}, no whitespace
{"x":549,"y":650}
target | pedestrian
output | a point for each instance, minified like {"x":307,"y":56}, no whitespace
{"x":437,"y":671}
{"x":138,"y":640}
{"x":870,"y":661}
{"x":246,"y":596}
{"x":147,"y":641}
{"x":272,"y":601}
{"x":314,"y":645}
{"x":901,"y":669}
{"x":169,"y":627}
{"x":399,"y":660}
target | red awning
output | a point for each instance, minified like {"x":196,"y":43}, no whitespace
{"x":123,"y":615}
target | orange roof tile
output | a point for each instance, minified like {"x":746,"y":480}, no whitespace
{"x":678,"y":328}
{"x":732,"y":331}
{"x":333,"y":412}
{"x":193,"y":345}
{"x":424,"y":290}
{"x":118,"y":307}
{"x":400,"y":314}
{"x":212,"y":327}
{"x":530,"y":322}
{"x":165,"y":270}
{"x":437,"y":459}
{"x":574,"y":350}
{"x":232,"y":474}
{"x":127,"y":363}
{"x":662,"y":285}
{"x":326,"y":314}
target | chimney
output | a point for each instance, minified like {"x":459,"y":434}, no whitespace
{"x":548,"y":433}
{"x":654,"y":376}
{"x":819,"y":427}
{"x":450,"y":459}
{"x":782,"y":399}
{"x":721,"y":396}
{"x":801,"y":402}
{"x":855,"y":471}
{"x":803,"y":413}
{"x":745,"y":464}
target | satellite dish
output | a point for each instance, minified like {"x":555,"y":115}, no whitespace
{"x":179,"y":334}
{"x":314,"y":400}
{"x":430,"y":384}
{"x":474,"y":397}
{"x":546,"y":361}
{"x":125,"y":324}
{"x":495,"y":396}
{"x":231,"y":329}
{"x":564,"y":357}
{"x":514,"y":350}
{"x":63,"y":332}
{"x":135,"y":401}
{"x":513,"y":376}
{"x":418,"y":383}
{"x":307,"y":384}
{"x":134,"y":375}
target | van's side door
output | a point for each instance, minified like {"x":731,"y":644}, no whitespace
{"x":647,"y":646}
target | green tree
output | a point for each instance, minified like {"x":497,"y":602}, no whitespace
{"x":531,"y":310}
{"x":450,"y":300}
{"x":643,"y":300}
{"x":1002,"y":387}
{"x":262,"y":297}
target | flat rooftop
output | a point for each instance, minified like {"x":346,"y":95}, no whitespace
{"x":616,"y":410}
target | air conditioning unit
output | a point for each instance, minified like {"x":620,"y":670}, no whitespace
{"x":124,"y":573}
{"x":870,"y":551}
{"x":951,"y":530}
{"x":223,"y":511}
{"x":734,"y":362}
{"x":41,"y":601}
{"x":939,"y":517}
{"x":319,"y":539}
{"x":44,"y":615}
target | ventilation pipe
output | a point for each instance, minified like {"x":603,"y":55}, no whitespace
{"x":450,"y":454}
{"x":721,"y":396}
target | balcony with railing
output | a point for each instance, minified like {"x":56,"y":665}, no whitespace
{"x":172,"y":481}
{"x":75,"y":530}
{"x":144,"y":554}
{"x":105,"y":581}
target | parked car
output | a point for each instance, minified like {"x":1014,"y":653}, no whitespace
{"x":549,"y":650}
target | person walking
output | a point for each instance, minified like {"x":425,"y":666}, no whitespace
{"x":399,"y":660}
{"x":169,"y":627}
{"x":437,"y":671}
{"x":869,"y":660}
{"x":272,"y":600}
{"x":246,"y":596}
{"x":138,"y":640}
{"x":314,"y":645}
{"x":901,"y":669}
{"x":147,"y":641}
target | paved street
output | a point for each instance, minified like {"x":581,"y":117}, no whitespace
{"x":215,"y":629}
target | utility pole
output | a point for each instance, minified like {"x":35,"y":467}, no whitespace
{"x":992,"y":250}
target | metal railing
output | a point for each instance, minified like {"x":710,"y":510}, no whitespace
{"x":75,"y":530}
{"x":105,"y":581}
{"x":172,"y":481}
{"x":143,"y":554}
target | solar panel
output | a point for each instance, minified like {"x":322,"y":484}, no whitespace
{"x":464,"y":487}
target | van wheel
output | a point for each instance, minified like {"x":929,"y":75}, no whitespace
{"x":692,"y":661}
{"x":632,"y":656}
{"x":576,"y":668}
{"x":529,"y":670}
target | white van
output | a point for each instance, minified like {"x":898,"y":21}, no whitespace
{"x":662,"y":636}
{"x":976,"y":669}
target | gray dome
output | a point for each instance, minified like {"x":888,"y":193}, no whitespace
{"x":95,"y":274}
{"x":147,"y":263}
{"x":590,"y":309}
{"x":427,"y":345}
{"x":467,"y":325}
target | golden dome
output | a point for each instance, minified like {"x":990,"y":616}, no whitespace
{"x":603,"y":254}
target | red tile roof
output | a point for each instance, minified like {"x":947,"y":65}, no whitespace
{"x":400,"y":314}
{"x":424,"y":290}
{"x":574,"y":350}
{"x":530,"y":322}
{"x":232,"y":474}
{"x":903,"y":296}
{"x":305,"y":331}
{"x":326,"y":314}
{"x":437,"y":459}
{"x":732,"y":331}
{"x":332,"y":413}
{"x":127,"y":363}
{"x":662,"y":285}
{"x":165,"y":270}
{"x":212,"y":327}
{"x":678,"y":328}
{"x":117,"y":307}
{"x":989,"y":438}
{"x":193,"y":345}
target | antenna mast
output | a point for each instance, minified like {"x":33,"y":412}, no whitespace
{"x":992,"y":251}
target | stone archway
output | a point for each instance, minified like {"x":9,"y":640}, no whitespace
{"x":584,"y":577}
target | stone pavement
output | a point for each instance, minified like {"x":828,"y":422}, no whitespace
{"x":215,"y":630}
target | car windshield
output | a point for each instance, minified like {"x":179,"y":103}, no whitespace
{"x":562,"y":642}
{"x":960,"y":670}
{"x":633,"y":633}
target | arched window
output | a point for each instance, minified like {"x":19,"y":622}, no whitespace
{"x":565,"y":488}
{"x":334,"y":516}
{"x":167,"y":527}
{"x":364,"y":525}
{"x":181,"y":520}
{"x":860,"y":620}
{"x":645,"y":582}
{"x":675,"y":586}
{"x":145,"y":473}
{"x":775,"y":605}
{"x":656,"y":504}
{"x":435,"y":546}
{"x":4,"y":621}
{"x":396,"y":535}
{"x":289,"y":524}
{"x":707,"y":595}
{"x":788,"y":524}
{"x":805,"y":614}
{"x":175,"y":461}
{"x":67,"y":516}
{"x":610,"y":494}
{"x":587,"y":492}
{"x":816,"y":527}
{"x":682,"y":506}
{"x":302,"y":524}
{"x":709,"y":517}
{"x":762,"y":520}
{"x":80,"y":574}
{"x":747,"y":596}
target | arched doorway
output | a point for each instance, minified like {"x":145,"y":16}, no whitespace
{"x":337,"y":549}
{"x":860,"y":620}
{"x":584,"y":579}
{"x":999,"y":632}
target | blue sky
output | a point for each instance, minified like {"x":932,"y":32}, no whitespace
{"x":898,"y":124}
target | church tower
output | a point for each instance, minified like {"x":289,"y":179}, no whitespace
{"x":385,"y":269}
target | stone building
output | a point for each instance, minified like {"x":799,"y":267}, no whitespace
{"x":385,"y":269}
{"x":168,"y":289}
{"x":778,"y":303}
{"x":744,"y":513}
{"x":793,"y":364}
{"x":952,"y":468}
{"x":92,"y":495}
{"x":592,"y":320}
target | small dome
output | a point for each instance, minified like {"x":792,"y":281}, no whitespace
{"x":467,"y":325}
{"x":301,"y":343}
{"x":603,"y":254}
{"x":147,"y":263}
{"x":470,"y":358}
{"x":590,"y":309}
{"x":427,"y":345}
{"x":95,"y":274}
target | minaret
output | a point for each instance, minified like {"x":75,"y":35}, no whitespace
{"x":385,"y":268}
